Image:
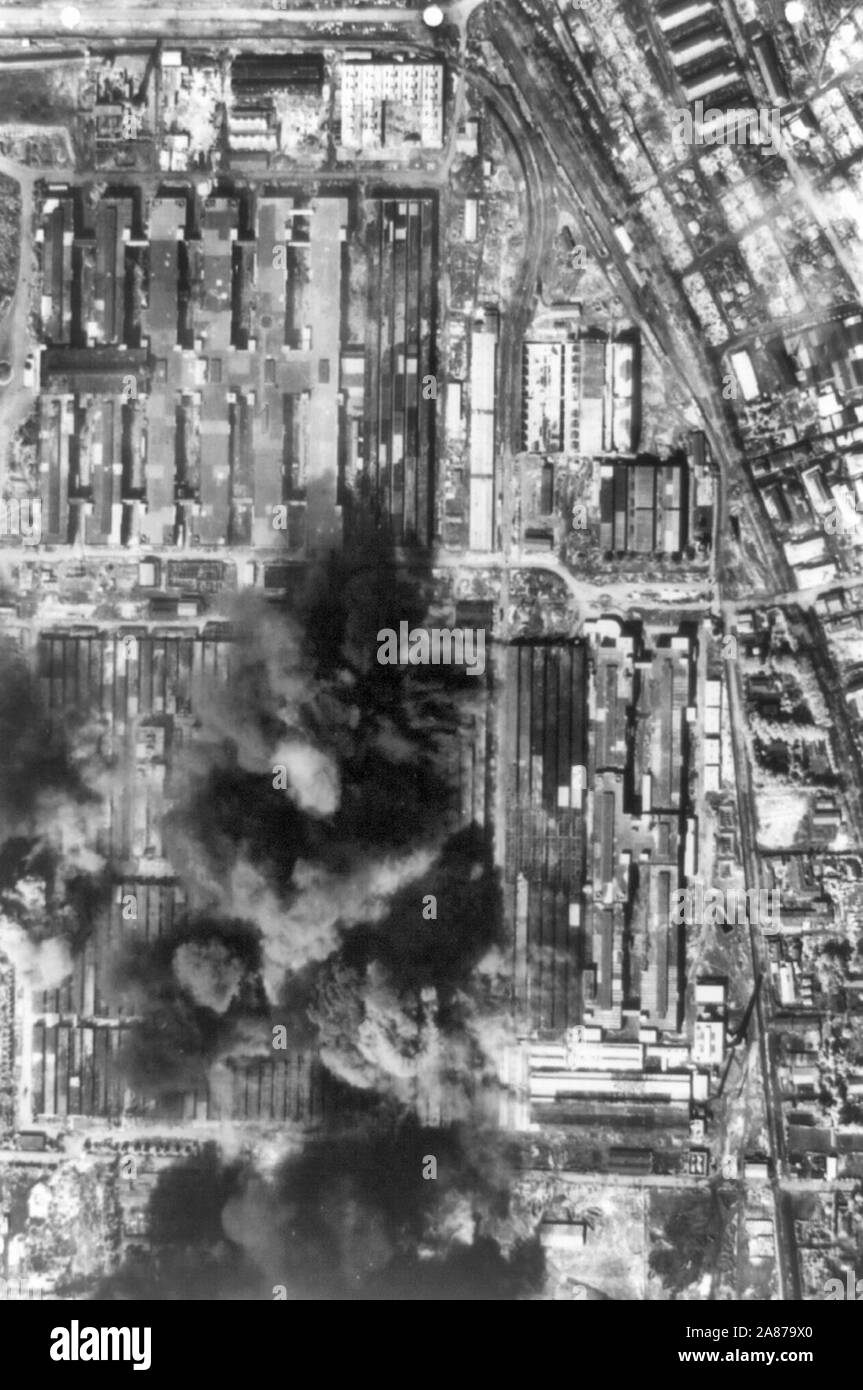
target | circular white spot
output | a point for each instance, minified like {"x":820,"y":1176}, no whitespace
{"x":70,"y":16}
{"x":795,"y":12}
{"x":433,"y":16}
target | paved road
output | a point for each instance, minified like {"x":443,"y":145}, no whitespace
{"x":586,"y":593}
{"x":201,"y":19}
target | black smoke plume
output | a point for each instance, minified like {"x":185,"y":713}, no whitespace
{"x":351,"y":1218}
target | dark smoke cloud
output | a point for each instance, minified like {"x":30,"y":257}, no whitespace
{"x":357,"y":821}
{"x":389,"y":997}
{"x":305,"y":907}
{"x":311,"y":869}
{"x":196,"y":994}
{"x":52,"y":790}
{"x":411,"y":1000}
{"x":351,"y":1218}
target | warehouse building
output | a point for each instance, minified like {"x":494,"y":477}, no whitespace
{"x":581,"y":396}
{"x":56,"y":236}
{"x":483,"y":375}
{"x":644,"y":505}
{"x":389,"y":106}
{"x":546,"y":722}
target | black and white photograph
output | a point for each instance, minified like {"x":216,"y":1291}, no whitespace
{"x":431,"y":661}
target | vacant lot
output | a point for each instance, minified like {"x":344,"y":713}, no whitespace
{"x":33,"y":96}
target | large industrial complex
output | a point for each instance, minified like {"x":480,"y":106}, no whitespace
{"x":424,"y":322}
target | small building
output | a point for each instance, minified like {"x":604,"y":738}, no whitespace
{"x":708,"y":1043}
{"x":756,"y":1170}
{"x":563,"y":1235}
{"x":710,"y":993}
{"x":32,"y":1140}
{"x":745,"y":373}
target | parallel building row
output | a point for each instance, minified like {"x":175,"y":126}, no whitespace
{"x":141,"y":692}
{"x":141,"y":689}
{"x":625,"y":1097}
{"x":644,"y":505}
{"x":640,"y":713}
{"x":192,"y":412}
{"x":400,"y":384}
{"x":545,"y":828}
{"x":389,"y":107}
{"x":599,"y":828}
{"x":79,"y":1067}
{"x":483,"y":391}
{"x":580,"y":396}
{"x":698,"y":45}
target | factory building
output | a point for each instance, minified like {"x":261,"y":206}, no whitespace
{"x":547,"y":731}
{"x":196,"y":423}
{"x":483,"y":373}
{"x":589,"y":1077}
{"x":254,"y":75}
{"x":581,"y":396}
{"x":387,"y":106}
{"x":55,"y":237}
{"x":167,"y":228}
{"x":400,"y":382}
{"x":105,"y":308}
{"x":644,"y":505}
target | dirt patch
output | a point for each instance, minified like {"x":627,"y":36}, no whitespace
{"x":34,"y":97}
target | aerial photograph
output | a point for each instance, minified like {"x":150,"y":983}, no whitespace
{"x":431,"y":651}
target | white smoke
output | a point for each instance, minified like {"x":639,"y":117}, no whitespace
{"x":43,"y":964}
{"x":312,"y":775}
{"x":271,"y":679}
{"x":71,"y":829}
{"x":212,"y":975}
{"x":309,"y":928}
